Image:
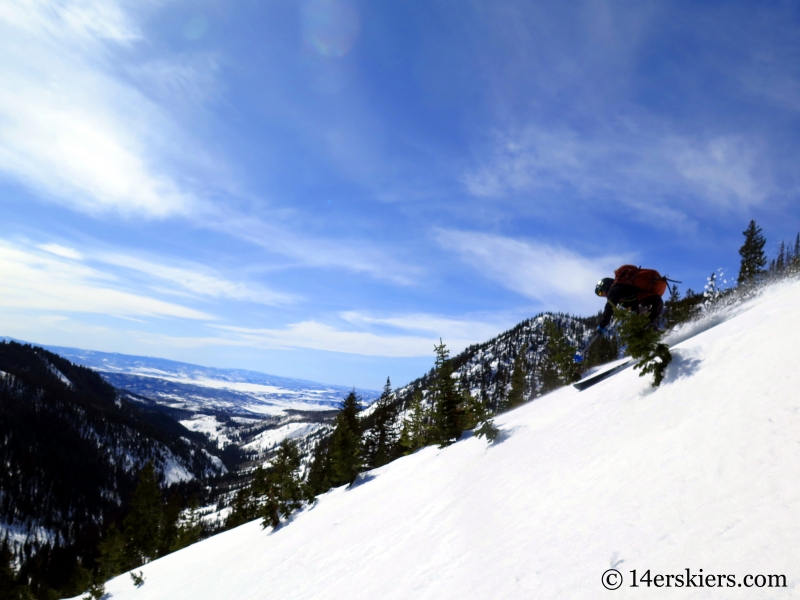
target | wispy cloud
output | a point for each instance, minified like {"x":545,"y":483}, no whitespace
{"x":321,"y":336}
{"x":70,"y":128}
{"x":457,"y":332}
{"x":639,"y":163}
{"x":399,"y":336}
{"x":186,"y":278}
{"x":363,"y":256}
{"x":38,"y":281}
{"x":558,"y":278}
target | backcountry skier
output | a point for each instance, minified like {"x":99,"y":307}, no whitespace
{"x":633,"y":288}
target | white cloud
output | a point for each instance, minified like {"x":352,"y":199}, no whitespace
{"x":188,"y":279}
{"x":60,"y":250}
{"x":558,"y":278}
{"x":358,"y":256}
{"x":198,"y":280}
{"x":48,"y":282}
{"x":359,"y":334}
{"x":637,"y":162}
{"x":320,"y":336}
{"x":69,"y":128}
{"x":725,"y":170}
{"x":457,"y":333}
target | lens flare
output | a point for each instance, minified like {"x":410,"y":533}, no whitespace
{"x":331,"y":27}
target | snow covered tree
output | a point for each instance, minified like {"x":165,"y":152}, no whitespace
{"x":381,"y":439}
{"x":447,"y":412}
{"x":752,"y":252}
{"x":643,"y":343}
{"x":345,"y":449}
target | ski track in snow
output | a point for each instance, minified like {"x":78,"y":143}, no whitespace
{"x":702,"y":473}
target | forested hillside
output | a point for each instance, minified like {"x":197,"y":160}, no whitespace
{"x":71,"y":450}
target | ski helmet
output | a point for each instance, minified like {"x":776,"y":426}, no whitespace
{"x":602,"y":287}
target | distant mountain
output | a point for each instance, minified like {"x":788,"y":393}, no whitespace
{"x":205,"y":390}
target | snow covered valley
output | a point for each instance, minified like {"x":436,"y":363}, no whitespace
{"x":702,"y":473}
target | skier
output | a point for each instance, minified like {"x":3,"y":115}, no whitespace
{"x":633,"y":288}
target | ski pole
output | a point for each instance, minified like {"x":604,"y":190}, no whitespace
{"x":578,"y":358}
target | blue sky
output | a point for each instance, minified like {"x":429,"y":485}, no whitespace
{"x":323,"y":188}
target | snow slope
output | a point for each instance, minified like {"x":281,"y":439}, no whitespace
{"x":703,"y":473}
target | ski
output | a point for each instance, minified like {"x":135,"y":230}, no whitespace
{"x":589,"y":382}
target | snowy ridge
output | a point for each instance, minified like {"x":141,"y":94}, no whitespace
{"x":702,"y":473}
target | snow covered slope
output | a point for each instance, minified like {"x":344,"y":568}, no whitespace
{"x":702,"y":473}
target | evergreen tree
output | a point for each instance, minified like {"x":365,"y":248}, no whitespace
{"x":559,"y":367}
{"x":477,"y":416}
{"x":780,"y":262}
{"x":114,"y":557}
{"x":446,"y":401}
{"x":346,"y":459}
{"x":416,"y":432}
{"x":142,"y":525}
{"x":190,"y":530}
{"x":752,"y":252}
{"x":643,"y":343}
{"x":245,"y":507}
{"x":519,"y":383}
{"x":10,"y":587}
{"x":379,"y":445}
{"x":796,"y":256}
{"x":170,"y":525}
{"x":284,"y":490}
{"x":318,"y":481}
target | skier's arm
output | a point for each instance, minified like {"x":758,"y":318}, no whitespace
{"x":613,"y":298}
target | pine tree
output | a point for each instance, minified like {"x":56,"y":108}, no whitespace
{"x":446,"y":401}
{"x":10,"y":587}
{"x":780,"y":262}
{"x":143,"y":523}
{"x":379,"y":445}
{"x":793,"y":257}
{"x":244,"y":507}
{"x":319,"y":473}
{"x":114,"y":557}
{"x":559,"y":367}
{"x":643,"y":343}
{"x":416,"y":431}
{"x":284,"y":490}
{"x":170,"y":525}
{"x":519,"y":383}
{"x":346,"y":459}
{"x":190,"y":530}
{"x":752,"y":252}
{"x":477,"y":416}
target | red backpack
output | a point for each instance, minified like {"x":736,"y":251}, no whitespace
{"x":649,"y":281}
